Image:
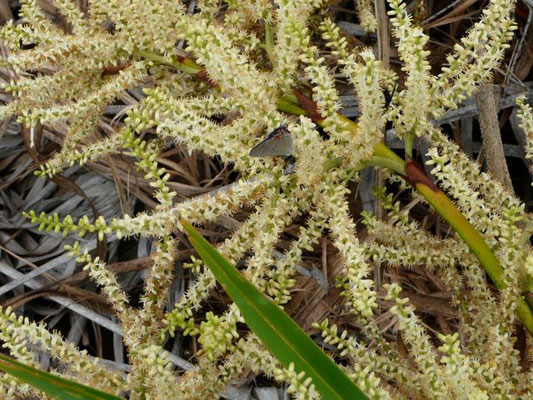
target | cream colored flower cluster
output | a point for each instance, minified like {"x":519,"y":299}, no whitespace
{"x":474,"y":59}
{"x":414,"y":100}
{"x":367,"y":16}
{"x":526,"y":123}
{"x":365,"y":78}
{"x":252,"y":54}
{"x":20,"y":335}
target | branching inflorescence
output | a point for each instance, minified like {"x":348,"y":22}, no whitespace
{"x":69,"y":78}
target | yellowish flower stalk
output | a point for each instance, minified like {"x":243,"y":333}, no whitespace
{"x":475,"y":57}
{"x":418,"y":342}
{"x":526,"y":123}
{"x":413,"y":103}
{"x":457,"y":368}
{"x":363,"y":355}
{"x":280,"y":280}
{"x":358,"y":288}
{"x":292,"y":17}
{"x":408,"y":247}
{"x":17,"y":331}
{"x":156,"y":289}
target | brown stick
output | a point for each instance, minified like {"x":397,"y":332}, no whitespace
{"x":383,"y":32}
{"x":492,"y":141}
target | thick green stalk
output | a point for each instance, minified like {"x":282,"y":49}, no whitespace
{"x":385,"y":157}
{"x":269,"y":40}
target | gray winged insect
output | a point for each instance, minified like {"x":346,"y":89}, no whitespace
{"x":277,"y":143}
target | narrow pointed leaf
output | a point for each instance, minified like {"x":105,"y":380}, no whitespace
{"x":55,"y":386}
{"x":276,"y":330}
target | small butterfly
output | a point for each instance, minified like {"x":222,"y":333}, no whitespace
{"x":277,"y":143}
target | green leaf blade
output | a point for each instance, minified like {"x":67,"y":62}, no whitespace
{"x":55,"y":386}
{"x":277,"y":331}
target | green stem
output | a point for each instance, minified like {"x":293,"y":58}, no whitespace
{"x":529,"y":299}
{"x":186,"y":65}
{"x":333,"y":163}
{"x":269,"y":41}
{"x":287,"y":106}
{"x":385,"y":157}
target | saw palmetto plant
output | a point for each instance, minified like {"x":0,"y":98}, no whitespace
{"x":207,"y":83}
